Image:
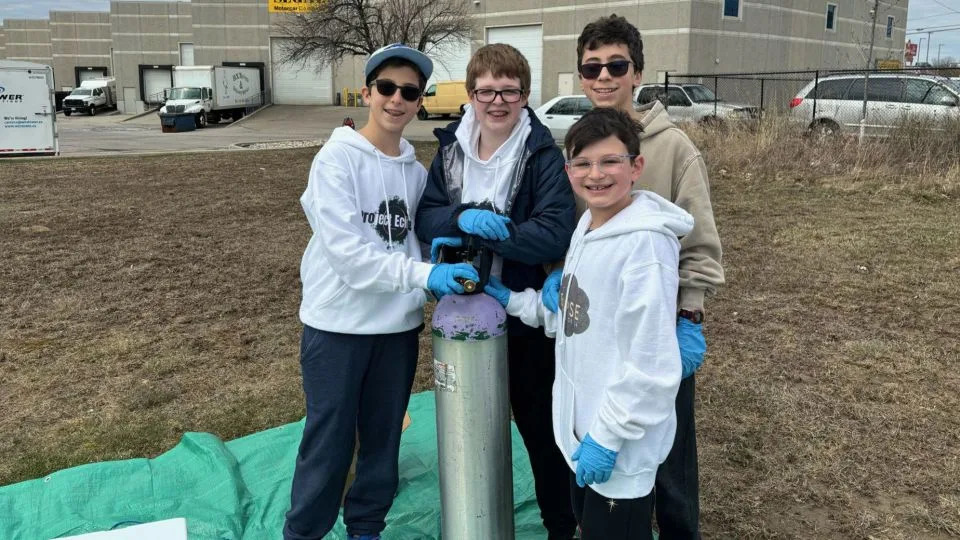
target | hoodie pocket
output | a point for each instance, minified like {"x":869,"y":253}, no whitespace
{"x":322,"y":286}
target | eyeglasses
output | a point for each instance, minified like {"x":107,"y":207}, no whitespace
{"x":612,"y":164}
{"x":617,"y":68}
{"x":487,"y":95}
{"x":388,"y":88}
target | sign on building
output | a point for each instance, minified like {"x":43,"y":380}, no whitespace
{"x":294,"y":6}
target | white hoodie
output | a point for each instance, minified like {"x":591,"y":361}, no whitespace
{"x":488,"y":182}
{"x":361,"y":271}
{"x":618,"y":362}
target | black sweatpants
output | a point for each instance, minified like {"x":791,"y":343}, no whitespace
{"x":602,"y":518}
{"x":677,"y":490}
{"x":532,"y":369}
{"x":356,"y":386}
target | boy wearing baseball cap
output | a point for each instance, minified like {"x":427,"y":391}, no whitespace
{"x":362,"y":307}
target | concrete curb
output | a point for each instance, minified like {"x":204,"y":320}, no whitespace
{"x":141,"y":115}
{"x":251,"y":115}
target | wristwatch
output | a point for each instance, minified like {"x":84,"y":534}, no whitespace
{"x":695,"y":316}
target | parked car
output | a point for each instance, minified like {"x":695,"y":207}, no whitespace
{"x":891,"y":99}
{"x":690,"y":102}
{"x":444,"y":98}
{"x":561,"y":112}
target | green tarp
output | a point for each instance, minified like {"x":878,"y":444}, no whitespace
{"x":235,"y":490}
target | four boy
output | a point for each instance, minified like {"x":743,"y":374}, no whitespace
{"x":599,"y":408}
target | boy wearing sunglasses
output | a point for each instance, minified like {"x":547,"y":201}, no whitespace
{"x":618,"y":363}
{"x":610,"y":62}
{"x":498,"y":175}
{"x":362,"y":306}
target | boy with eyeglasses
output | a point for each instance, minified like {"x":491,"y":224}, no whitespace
{"x":362,"y":306}
{"x":610,"y":62}
{"x":498,"y":175}
{"x":618,"y":363}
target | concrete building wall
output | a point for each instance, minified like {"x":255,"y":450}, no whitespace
{"x":3,"y":43}
{"x":28,"y":40}
{"x":146,"y":34}
{"x":81,"y":39}
{"x":666,"y":45}
{"x":232,"y":31}
{"x":768,"y":36}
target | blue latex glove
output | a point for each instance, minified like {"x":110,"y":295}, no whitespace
{"x":594,"y":462}
{"x":486,"y":224}
{"x":497,"y":290}
{"x":551,"y":290}
{"x":442,"y":282}
{"x":441,"y":241}
{"x":692,"y":346}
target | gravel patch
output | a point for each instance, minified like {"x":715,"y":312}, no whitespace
{"x":280,"y":144}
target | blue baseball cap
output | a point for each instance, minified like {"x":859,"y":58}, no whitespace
{"x":398,"y":50}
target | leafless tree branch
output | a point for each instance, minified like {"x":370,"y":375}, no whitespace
{"x":339,"y":28}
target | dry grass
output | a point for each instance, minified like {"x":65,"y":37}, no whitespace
{"x":143,"y":297}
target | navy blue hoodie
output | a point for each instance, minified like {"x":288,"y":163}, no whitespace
{"x":540,"y":204}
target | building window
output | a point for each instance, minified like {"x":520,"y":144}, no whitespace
{"x":889,"y":27}
{"x":731,"y":8}
{"x":831,"y":16}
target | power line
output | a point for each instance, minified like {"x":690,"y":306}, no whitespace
{"x":941,"y":4}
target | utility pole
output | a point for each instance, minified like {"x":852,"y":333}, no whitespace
{"x":927,"y":59}
{"x":939,"y":47}
{"x":866,"y":72}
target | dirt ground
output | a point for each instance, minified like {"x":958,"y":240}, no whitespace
{"x":143,"y":297}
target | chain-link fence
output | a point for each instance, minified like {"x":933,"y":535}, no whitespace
{"x":825,"y":100}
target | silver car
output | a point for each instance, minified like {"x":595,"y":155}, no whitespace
{"x":690,"y":102}
{"x":836,"y":104}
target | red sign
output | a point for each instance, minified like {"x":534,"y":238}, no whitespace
{"x":910,"y":52}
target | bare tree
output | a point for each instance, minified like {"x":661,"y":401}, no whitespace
{"x":335,"y":29}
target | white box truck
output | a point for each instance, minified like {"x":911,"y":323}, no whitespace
{"x":210,"y":93}
{"x":28,"y":113}
{"x":91,"y":96}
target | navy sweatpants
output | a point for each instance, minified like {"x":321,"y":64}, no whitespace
{"x":677,"y":489}
{"x":355,"y":385}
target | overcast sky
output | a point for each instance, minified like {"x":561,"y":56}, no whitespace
{"x":922,"y":14}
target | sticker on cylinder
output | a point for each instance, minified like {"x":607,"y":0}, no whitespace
{"x":445,"y":376}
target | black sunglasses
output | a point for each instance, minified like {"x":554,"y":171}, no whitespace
{"x":617,"y":68}
{"x":387,"y":88}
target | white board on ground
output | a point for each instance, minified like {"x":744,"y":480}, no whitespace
{"x":168,"y":529}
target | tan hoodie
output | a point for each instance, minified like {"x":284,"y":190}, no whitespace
{"x":674,"y":169}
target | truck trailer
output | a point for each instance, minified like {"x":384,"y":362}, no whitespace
{"x":203,"y":94}
{"x":28,"y":113}
{"x":91,"y":96}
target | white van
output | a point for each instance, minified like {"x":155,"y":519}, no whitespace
{"x":28,"y":113}
{"x":836,"y":104}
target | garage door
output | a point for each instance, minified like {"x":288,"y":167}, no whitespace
{"x":529,"y":41}
{"x":87,"y":74}
{"x":155,"y":81}
{"x":299,"y":84}
{"x":450,"y":61}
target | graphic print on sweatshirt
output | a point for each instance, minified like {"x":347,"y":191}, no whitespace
{"x":391,"y":221}
{"x":575,"y":304}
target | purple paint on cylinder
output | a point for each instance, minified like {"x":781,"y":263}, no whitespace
{"x":473,"y":317}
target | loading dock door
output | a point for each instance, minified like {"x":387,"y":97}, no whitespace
{"x":155,"y":81}
{"x":296,"y":83}
{"x":87,"y":74}
{"x":450,"y":61}
{"x":529,"y":41}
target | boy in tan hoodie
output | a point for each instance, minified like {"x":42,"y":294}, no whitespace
{"x":610,"y":62}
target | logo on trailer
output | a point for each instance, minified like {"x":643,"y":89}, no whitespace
{"x":241,"y":84}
